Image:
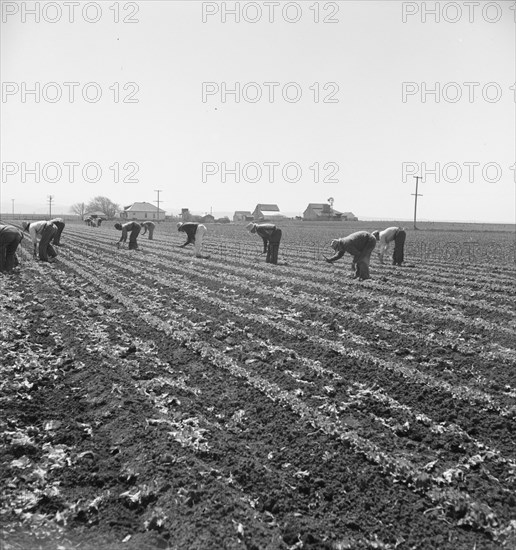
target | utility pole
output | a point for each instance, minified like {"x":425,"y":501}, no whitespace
{"x":158,"y":191}
{"x":12,"y":201}
{"x":50,"y":199}
{"x":416,"y":195}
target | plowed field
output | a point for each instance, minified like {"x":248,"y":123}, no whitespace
{"x":150,"y":399}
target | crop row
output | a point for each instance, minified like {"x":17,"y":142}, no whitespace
{"x":223,"y":361}
{"x":364,"y":298}
{"x":348,"y":342}
{"x":97,"y":335}
{"x":413,"y":284}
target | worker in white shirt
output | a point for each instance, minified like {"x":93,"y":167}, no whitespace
{"x":60,"y":225}
{"x":359,"y":245}
{"x":148,"y":226}
{"x":195,"y":233}
{"x":386,"y":237}
{"x":10,"y":238}
{"x":41,"y":234}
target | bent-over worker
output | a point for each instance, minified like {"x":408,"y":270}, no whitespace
{"x":271,"y":236}
{"x":195,"y":233}
{"x":41,"y":234}
{"x":148,"y":226}
{"x":134,"y":229}
{"x":359,"y":245}
{"x":60,"y":225}
{"x":10,"y":238}
{"x":386,"y":237}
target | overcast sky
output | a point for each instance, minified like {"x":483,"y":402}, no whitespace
{"x":358,"y":122}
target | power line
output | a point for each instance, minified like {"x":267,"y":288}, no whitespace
{"x":416,"y":195}
{"x":158,"y":191}
{"x":50,"y":199}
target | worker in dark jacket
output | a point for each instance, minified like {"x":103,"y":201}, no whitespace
{"x":271,"y":236}
{"x":10,"y":238}
{"x":134,"y":229}
{"x":60,"y":225}
{"x":386,"y":237}
{"x":359,"y":245}
{"x":148,"y":226}
{"x":195,"y":233}
{"x":41,"y":234}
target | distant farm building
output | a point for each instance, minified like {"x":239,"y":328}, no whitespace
{"x":142,"y":211}
{"x":324,"y":212}
{"x":321,"y":212}
{"x":242,"y":216}
{"x":187,"y":216}
{"x":264,"y":212}
{"x":208,"y":218}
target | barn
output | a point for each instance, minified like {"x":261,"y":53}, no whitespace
{"x":264,"y":212}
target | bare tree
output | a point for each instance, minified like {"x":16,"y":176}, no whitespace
{"x":105,"y":205}
{"x":79,"y":208}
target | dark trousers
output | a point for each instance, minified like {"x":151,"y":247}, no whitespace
{"x":133,"y":245}
{"x":273,"y":247}
{"x":399,"y":247}
{"x":45,"y":247}
{"x":57,"y":237}
{"x":362,"y":259}
{"x":10,"y":238}
{"x":150,"y":229}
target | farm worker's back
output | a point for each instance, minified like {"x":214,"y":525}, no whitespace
{"x":148,"y":226}
{"x":10,"y":238}
{"x":195,"y":233}
{"x":131,"y":227}
{"x":271,"y":236}
{"x":359,"y":245}
{"x":60,"y":225}
{"x":41,"y":234}
{"x":386,"y":237}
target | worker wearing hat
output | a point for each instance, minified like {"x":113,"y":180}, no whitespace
{"x":195,"y":233}
{"x":10,"y":238}
{"x":271,"y":236}
{"x":359,"y":245}
{"x":41,"y":234}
